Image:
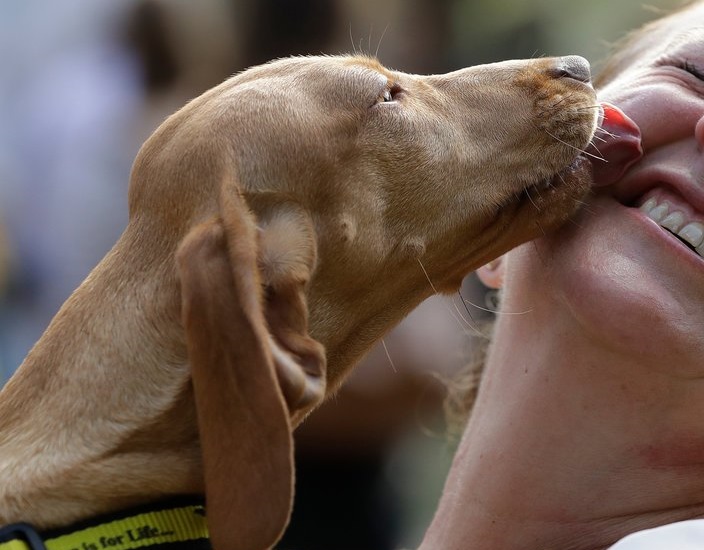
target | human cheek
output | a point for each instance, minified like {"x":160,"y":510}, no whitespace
{"x":664,"y":110}
{"x":618,"y":286}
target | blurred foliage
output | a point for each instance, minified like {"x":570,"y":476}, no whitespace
{"x":490,"y":30}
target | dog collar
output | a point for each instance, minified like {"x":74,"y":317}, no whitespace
{"x":176,"y":525}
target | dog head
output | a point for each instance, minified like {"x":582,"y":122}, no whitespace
{"x":317,"y":200}
{"x":354,"y":172}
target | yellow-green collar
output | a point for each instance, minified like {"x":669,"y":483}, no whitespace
{"x":176,"y":524}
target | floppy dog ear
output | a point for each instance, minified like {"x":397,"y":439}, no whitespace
{"x":246,"y":378}
{"x":243,"y":422}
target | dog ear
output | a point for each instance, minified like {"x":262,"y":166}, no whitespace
{"x":242,"y":416}
{"x":253,"y":363}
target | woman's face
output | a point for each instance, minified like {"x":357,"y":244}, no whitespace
{"x":621,"y":274}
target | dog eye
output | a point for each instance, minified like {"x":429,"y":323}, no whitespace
{"x":390,"y":94}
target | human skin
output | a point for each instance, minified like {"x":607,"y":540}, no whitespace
{"x":589,"y":423}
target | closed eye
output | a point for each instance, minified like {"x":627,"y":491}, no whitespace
{"x":390,"y":93}
{"x":692,"y":69}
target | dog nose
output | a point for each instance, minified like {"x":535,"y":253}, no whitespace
{"x":572,"y":66}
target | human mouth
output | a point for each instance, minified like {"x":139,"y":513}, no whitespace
{"x":676,"y":218}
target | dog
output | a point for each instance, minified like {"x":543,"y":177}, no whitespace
{"x":279,"y":225}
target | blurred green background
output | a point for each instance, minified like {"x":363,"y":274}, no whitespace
{"x":84,"y":82}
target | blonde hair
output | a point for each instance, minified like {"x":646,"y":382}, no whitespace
{"x":462,"y":390}
{"x":629,"y":46}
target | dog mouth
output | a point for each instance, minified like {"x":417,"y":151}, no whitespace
{"x":615,"y":146}
{"x":543,"y":206}
{"x":566,"y":176}
{"x":613,"y":149}
{"x":574,"y":181}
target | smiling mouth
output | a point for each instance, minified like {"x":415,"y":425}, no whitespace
{"x":689,"y":232}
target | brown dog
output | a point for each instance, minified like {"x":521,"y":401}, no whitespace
{"x":295,"y":212}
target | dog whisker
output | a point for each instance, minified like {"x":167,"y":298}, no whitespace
{"x":605,"y":132}
{"x":527,"y":192}
{"x":561,"y":100}
{"x":461,"y":321}
{"x":601,"y":157}
{"x":475,"y":329}
{"x":561,"y":179}
{"x":585,"y":206}
{"x":376,"y":53}
{"x":541,"y":228}
{"x":537,"y":253}
{"x":388,"y":356}
{"x":469,"y":325}
{"x":465,"y":305}
{"x":584,"y":108}
{"x":496,"y":311}
{"x":473,"y":325}
{"x":599,"y":138}
{"x":435,"y":290}
{"x":582,"y":151}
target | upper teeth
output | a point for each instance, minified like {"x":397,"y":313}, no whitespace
{"x":676,"y":221}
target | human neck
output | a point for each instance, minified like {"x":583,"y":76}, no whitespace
{"x":571,"y":445}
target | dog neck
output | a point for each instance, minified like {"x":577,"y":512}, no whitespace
{"x":351,"y":320}
{"x":69,"y":445}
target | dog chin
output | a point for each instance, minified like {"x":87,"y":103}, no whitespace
{"x":544,"y":206}
{"x":526,"y":215}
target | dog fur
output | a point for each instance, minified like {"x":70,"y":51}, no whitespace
{"x":279,"y":225}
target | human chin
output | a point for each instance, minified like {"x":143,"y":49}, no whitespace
{"x":620,"y":283}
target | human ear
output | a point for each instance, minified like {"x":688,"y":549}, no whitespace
{"x":492,"y":274}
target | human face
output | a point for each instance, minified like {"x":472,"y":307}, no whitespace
{"x":623,"y":277}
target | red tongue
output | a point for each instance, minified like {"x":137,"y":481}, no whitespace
{"x":617,"y":142}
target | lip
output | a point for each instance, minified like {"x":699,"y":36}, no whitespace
{"x":658,"y":235}
{"x":639,"y":181}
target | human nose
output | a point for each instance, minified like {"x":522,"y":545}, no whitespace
{"x":699,"y":133}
